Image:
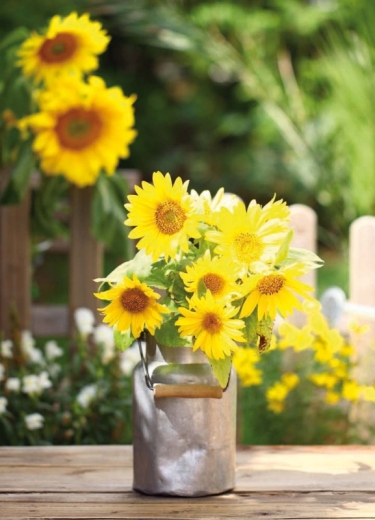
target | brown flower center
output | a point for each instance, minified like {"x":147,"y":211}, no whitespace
{"x":271,"y":284}
{"x":134,"y":300}
{"x":169,"y":217}
{"x":248,"y":247}
{"x":213,"y":282}
{"x":78,"y":128}
{"x":58,"y":49}
{"x":212,"y":323}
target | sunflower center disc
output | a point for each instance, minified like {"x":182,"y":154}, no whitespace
{"x":78,"y":128}
{"x":213,"y":282}
{"x":169,"y":217}
{"x":134,"y":300}
{"x":271,"y":284}
{"x":212,"y":323}
{"x":58,"y":49}
{"x":248,"y":247}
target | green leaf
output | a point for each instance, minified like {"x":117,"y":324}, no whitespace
{"x":108,"y":213}
{"x":46,"y":200}
{"x":168,"y":334}
{"x":16,"y":37}
{"x":221,"y":369}
{"x":310,"y":259}
{"x":140,"y":265}
{"x":284,"y":248}
{"x":19,"y":178}
{"x":123,"y":340}
{"x":264,"y":331}
{"x":250,"y":331}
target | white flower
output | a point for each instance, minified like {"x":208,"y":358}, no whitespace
{"x":2,"y":370}
{"x":27,"y":341}
{"x":34,"y":421}
{"x":3,"y":404}
{"x":6,"y":348}
{"x":85,"y":320}
{"x":54,"y":369}
{"x":13,"y":384}
{"x":44,"y":381}
{"x":103,"y":335}
{"x":128,"y":359}
{"x":30,"y":352}
{"x":87,"y":395}
{"x":31,"y":385}
{"x":52,"y":350}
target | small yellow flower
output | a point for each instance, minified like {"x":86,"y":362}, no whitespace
{"x":368,"y":393}
{"x":351,"y":390}
{"x":69,"y":46}
{"x":245,"y":361}
{"x":357,"y":328}
{"x":325,"y":380}
{"x":290,"y":380}
{"x":133,"y":306}
{"x":208,"y":206}
{"x":163,"y":216}
{"x":294,"y":337}
{"x":212,"y":325}
{"x":332,"y":397}
{"x":276,"y":406}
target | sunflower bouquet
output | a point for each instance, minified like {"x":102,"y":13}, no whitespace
{"x":60,"y":118}
{"x":210,"y":274}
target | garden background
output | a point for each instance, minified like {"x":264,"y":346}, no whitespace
{"x":259,"y":97}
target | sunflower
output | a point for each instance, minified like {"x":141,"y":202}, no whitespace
{"x":133,"y":306}
{"x":212,"y":325}
{"x":70,"y":45}
{"x":274,"y":292}
{"x":217,"y":274}
{"x":247,"y":236}
{"x":207,"y":206}
{"x":81,"y":129}
{"x":164,"y":216}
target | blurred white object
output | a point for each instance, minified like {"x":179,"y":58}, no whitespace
{"x":52,"y":350}
{"x":84,"y":319}
{"x":87,"y":395}
{"x":6,"y":348}
{"x":13,"y":384}
{"x":103,"y":336}
{"x":34,"y":421}
{"x":3,"y":404}
{"x":129,"y":358}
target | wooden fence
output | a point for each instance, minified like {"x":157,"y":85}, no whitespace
{"x":85,"y":264}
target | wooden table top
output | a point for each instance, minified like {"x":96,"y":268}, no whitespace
{"x":324,"y":482}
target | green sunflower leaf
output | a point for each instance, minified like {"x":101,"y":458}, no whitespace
{"x":123,"y":340}
{"x":221,"y":369}
{"x":140,"y":265}
{"x":284,"y":248}
{"x":250,"y":331}
{"x":264,"y":331}
{"x":168,"y":334}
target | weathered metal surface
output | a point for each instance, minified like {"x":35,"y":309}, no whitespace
{"x":182,"y":446}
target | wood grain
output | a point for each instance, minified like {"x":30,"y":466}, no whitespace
{"x":274,"y":482}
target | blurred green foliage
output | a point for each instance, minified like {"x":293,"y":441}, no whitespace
{"x":260,"y":97}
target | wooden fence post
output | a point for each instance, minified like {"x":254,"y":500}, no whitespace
{"x":15,"y":266}
{"x":85,"y":255}
{"x":304,"y":223}
{"x":362,"y":291}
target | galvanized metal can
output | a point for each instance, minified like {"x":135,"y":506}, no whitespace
{"x":184,"y":425}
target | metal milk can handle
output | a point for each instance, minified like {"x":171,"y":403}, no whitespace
{"x":186,"y":391}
